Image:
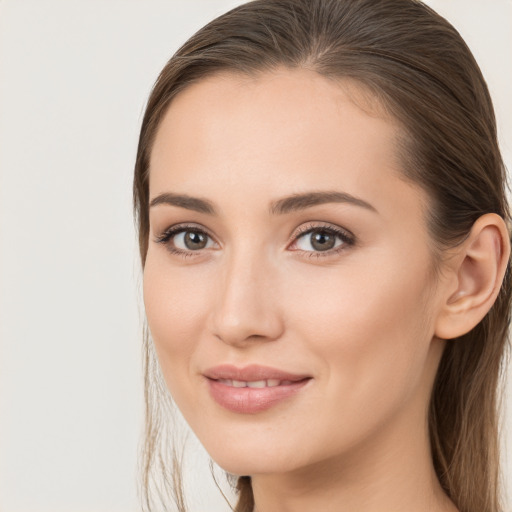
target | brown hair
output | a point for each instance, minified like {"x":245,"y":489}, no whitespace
{"x":420,"y":69}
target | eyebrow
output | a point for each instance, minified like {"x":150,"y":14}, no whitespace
{"x":184,"y":201}
{"x":298,"y":202}
{"x":295,"y":202}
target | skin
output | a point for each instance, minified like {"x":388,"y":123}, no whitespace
{"x":362,"y":321}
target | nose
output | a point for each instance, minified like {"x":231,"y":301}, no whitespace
{"x":246,"y":309}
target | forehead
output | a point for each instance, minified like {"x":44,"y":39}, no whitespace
{"x":276,"y":133}
{"x":269,"y":102}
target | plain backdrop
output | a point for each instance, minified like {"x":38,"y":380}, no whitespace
{"x":74,"y":78}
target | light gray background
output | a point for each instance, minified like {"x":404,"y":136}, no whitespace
{"x":74,"y":77}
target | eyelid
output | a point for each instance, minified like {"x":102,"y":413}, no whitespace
{"x":171,"y":231}
{"x":347,"y":237}
{"x":185,"y":226}
{"x":318,"y":225}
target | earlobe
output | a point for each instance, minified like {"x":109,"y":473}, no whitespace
{"x":479,"y":267}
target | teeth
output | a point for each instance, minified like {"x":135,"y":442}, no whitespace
{"x":271,"y":383}
{"x":257,"y":384}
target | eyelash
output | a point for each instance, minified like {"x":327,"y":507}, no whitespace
{"x":169,"y":233}
{"x":346,"y":237}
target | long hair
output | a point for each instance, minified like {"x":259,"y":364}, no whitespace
{"x":419,"y":68}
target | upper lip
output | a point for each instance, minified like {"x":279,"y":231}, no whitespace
{"x":251,"y":373}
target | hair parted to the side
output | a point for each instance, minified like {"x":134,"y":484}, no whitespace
{"x":420,"y":69}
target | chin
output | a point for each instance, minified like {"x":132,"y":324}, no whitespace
{"x":251,"y":457}
{"x":247,"y":467}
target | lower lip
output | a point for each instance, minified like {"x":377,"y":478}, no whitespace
{"x":252,"y":400}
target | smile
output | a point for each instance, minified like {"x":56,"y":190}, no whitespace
{"x":252,"y":389}
{"x":270,"y":383}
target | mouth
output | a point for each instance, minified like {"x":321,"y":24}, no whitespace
{"x":252,"y":389}
{"x":253,"y":373}
{"x":255,"y":384}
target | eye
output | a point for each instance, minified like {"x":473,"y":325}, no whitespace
{"x":185,"y":239}
{"x":191,"y":240}
{"x":322,"y":239}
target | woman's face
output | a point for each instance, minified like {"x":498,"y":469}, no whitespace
{"x":288,"y":284}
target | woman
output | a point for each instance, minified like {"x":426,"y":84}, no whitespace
{"x":324,"y":234}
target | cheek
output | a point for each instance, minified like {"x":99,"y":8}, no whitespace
{"x":371,"y":329}
{"x":176,"y":308}
{"x":364,"y":304}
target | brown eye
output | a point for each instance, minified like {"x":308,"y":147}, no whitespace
{"x":182,"y":240}
{"x":194,"y":240}
{"x":322,"y":240}
{"x":319,"y":240}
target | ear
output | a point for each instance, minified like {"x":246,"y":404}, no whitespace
{"x":476,"y":273}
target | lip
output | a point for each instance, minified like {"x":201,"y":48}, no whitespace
{"x":252,"y":400}
{"x":252,"y":372}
